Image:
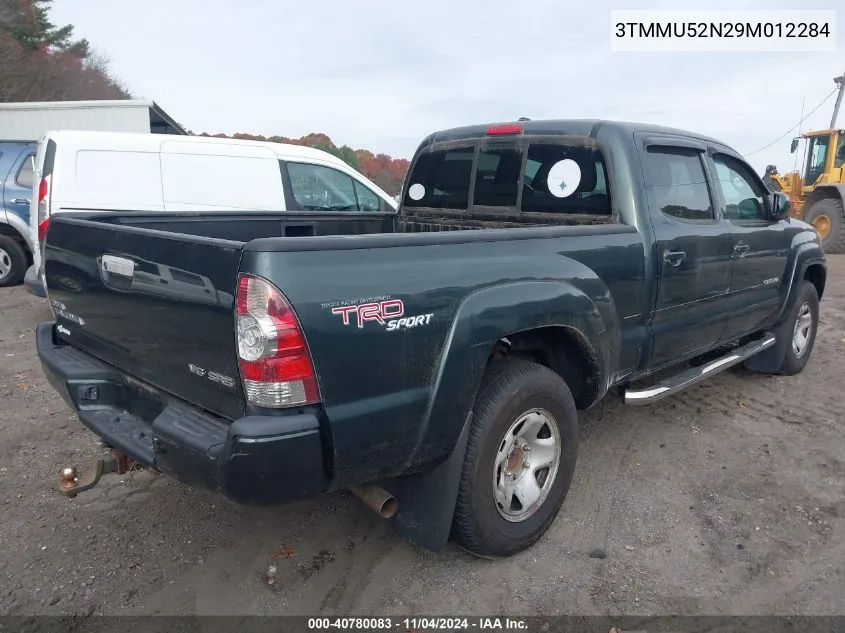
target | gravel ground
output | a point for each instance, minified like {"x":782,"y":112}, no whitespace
{"x":726,"y":499}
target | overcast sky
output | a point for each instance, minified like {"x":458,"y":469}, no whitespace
{"x":381,"y":75}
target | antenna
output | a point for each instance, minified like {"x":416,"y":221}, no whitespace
{"x":795,"y":162}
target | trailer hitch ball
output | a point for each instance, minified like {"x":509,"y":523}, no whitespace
{"x":67,"y":478}
{"x":72,"y":482}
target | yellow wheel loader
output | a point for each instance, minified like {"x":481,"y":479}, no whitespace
{"x":818,"y":195}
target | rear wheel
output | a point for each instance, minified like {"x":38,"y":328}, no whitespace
{"x":12,"y":261}
{"x":828,"y":218}
{"x":520,"y":459}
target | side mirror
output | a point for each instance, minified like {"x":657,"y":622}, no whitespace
{"x":794,"y":146}
{"x":780,"y":206}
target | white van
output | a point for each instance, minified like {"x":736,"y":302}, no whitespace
{"x":78,"y":171}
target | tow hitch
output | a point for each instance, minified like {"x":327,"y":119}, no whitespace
{"x":72,"y":482}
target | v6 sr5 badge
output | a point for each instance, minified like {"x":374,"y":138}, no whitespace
{"x":389,"y":313}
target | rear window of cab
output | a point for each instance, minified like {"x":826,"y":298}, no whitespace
{"x":544,"y":178}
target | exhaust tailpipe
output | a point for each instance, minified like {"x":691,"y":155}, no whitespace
{"x":377,"y":499}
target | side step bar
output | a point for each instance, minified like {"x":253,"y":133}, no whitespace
{"x":691,"y":376}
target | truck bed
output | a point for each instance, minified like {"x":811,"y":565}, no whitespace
{"x":250,"y":225}
{"x":175,"y":311}
{"x":246,"y":226}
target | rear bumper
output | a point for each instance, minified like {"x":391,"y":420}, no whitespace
{"x":253,"y":460}
{"x":32,"y":281}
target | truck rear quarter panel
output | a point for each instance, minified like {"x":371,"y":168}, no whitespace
{"x":396,"y":396}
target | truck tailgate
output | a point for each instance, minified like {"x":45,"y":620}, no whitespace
{"x":157,"y":305}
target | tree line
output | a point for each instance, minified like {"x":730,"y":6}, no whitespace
{"x":387,"y":172}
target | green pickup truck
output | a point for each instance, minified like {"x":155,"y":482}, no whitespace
{"x":431,"y":360}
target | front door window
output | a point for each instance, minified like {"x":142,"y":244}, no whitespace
{"x":744,"y":198}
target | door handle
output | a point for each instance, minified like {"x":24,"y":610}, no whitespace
{"x":741,"y":248}
{"x":20,"y":201}
{"x":674,"y":258}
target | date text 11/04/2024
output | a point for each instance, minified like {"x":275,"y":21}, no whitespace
{"x":418,"y":624}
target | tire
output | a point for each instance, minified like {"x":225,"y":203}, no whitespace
{"x":510,"y":390}
{"x":806,"y":306}
{"x":833,"y":211}
{"x":13,"y":261}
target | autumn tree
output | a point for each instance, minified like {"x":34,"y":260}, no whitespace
{"x":40,"y":61}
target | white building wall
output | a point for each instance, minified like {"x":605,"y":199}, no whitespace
{"x":30,"y":123}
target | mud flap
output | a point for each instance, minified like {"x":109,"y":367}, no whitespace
{"x":427,"y":500}
{"x":770,"y":360}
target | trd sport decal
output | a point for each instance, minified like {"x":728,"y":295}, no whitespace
{"x":388,"y":313}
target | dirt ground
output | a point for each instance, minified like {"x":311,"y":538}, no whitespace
{"x":726,"y":499}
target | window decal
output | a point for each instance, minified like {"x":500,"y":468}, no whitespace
{"x":416,"y":192}
{"x":564,"y":178}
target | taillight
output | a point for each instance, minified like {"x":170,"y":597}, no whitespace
{"x":43,"y":207}
{"x":275,"y":363}
{"x":43,"y":190}
{"x":42,"y":229}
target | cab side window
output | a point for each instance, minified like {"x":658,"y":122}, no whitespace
{"x":744,"y":196}
{"x":680,"y":185}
